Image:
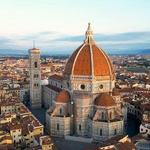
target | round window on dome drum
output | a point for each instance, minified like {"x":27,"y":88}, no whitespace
{"x":82,"y":86}
{"x":101,"y":86}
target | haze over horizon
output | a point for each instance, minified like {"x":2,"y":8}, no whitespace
{"x":59,"y":26}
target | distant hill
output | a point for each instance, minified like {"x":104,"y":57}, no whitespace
{"x":128,"y":52}
{"x":12,"y":52}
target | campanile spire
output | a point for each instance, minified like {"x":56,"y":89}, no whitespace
{"x":33,"y":43}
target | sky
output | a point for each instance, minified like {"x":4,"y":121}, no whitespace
{"x":59,"y":25}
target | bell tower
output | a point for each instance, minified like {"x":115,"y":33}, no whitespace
{"x":35,"y":77}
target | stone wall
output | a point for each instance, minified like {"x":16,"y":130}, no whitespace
{"x":104,"y":130}
{"x":48,"y":96}
{"x":60,"y":126}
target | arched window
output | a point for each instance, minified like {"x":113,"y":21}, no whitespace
{"x":110,"y":115}
{"x":57,"y":126}
{"x":36,"y":75}
{"x":102,"y":115}
{"x":36,"y":84}
{"x":101,"y":132}
{"x":115,"y":131}
{"x":79,"y":127}
{"x":60,"y":111}
{"x":35,"y":64}
{"x":68,"y":85}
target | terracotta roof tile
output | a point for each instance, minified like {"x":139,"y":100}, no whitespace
{"x":54,"y":88}
{"x":69,"y":65}
{"x":56,"y":77}
{"x":105,"y":100}
{"x":102,"y":63}
{"x":63,"y":97}
{"x":125,"y":146}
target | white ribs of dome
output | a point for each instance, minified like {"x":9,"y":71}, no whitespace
{"x":89,"y":40}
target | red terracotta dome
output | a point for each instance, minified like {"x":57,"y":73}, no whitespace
{"x":89,"y":60}
{"x":104,"y":100}
{"x":63,"y":97}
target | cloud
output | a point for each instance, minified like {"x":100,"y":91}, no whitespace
{"x":5,"y":40}
{"x":54,"y":42}
{"x":46,"y":34}
{"x":129,"y":36}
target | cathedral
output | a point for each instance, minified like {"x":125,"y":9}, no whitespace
{"x":84,"y":102}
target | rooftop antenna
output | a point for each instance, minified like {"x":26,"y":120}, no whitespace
{"x":33,"y":43}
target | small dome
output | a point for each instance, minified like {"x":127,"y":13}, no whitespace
{"x":105,"y":100}
{"x":63,"y":97}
